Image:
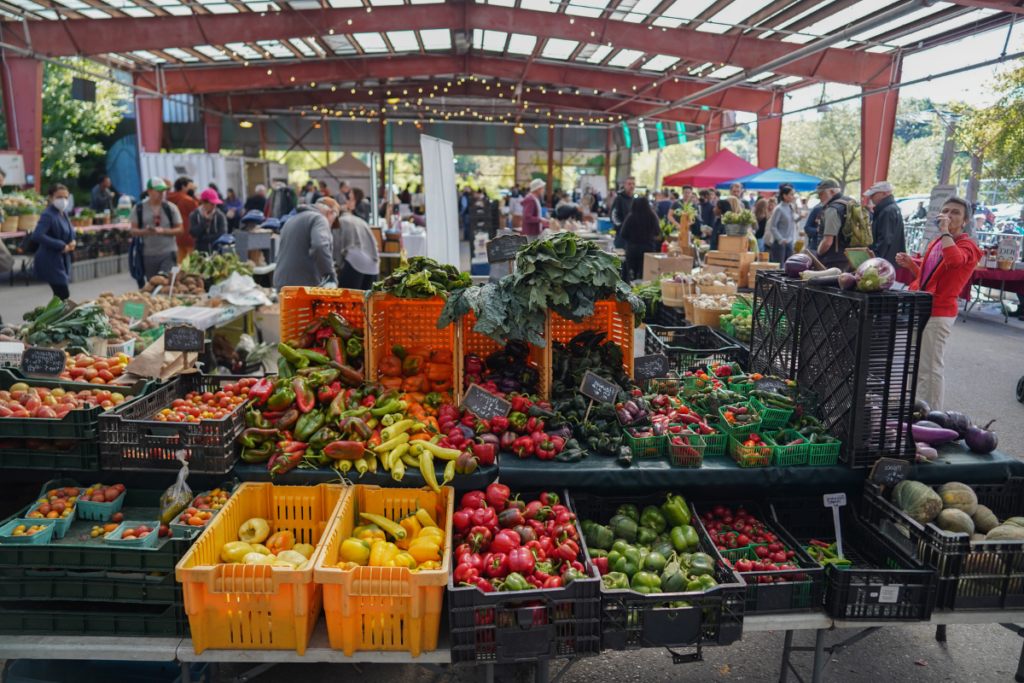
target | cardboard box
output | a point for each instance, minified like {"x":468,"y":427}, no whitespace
{"x":733,"y":243}
{"x":392,"y":247}
{"x":657,"y":264}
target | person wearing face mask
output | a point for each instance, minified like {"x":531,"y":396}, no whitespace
{"x":304,"y":250}
{"x":56,"y":240}
{"x":206,"y":223}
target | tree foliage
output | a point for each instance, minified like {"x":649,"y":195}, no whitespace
{"x":827,"y":147}
{"x":674,"y":158}
{"x":998,"y":131}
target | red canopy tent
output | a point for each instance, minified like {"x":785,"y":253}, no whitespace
{"x":718,"y":168}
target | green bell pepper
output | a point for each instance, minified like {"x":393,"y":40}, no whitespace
{"x":586,"y":524}
{"x":645,"y":582}
{"x":629,"y":511}
{"x":702,"y":564}
{"x":515,"y":582}
{"x":624,"y":528}
{"x":663,"y":547}
{"x":645,"y":536}
{"x":598,"y":536}
{"x":619,"y":546}
{"x":673,"y":578}
{"x":653,"y":519}
{"x":655,"y":562}
{"x":571,"y":575}
{"x":684,"y":539}
{"x":676,"y":511}
{"x":628,"y":562}
{"x":701,"y":583}
{"x":281,"y":399}
{"x":615,"y":581}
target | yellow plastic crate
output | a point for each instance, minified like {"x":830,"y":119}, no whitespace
{"x":258,"y":607}
{"x":382,"y":608}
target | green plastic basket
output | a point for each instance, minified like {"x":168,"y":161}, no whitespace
{"x":646,"y":447}
{"x":771,"y":418}
{"x":689,"y":455}
{"x":38,"y":538}
{"x":742,"y":387}
{"x":726,"y":325}
{"x":750,"y":456}
{"x":114,"y":537}
{"x":746,"y":428}
{"x":822,"y":454}
{"x":787,"y":456}
{"x":740,"y":306}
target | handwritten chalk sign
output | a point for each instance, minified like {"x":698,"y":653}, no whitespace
{"x":505,"y":248}
{"x":649,"y":367}
{"x":889,"y":472}
{"x":45,"y":362}
{"x":596,"y":387}
{"x":184,"y":338}
{"x":1007,"y":249}
{"x":484,"y":404}
{"x":770,"y":384}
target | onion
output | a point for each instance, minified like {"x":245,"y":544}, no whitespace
{"x":980,"y":439}
{"x":796,"y":264}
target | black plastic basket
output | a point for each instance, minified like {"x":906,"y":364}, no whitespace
{"x":92,"y":619}
{"x":86,"y":585}
{"x":632,"y":620}
{"x":859,"y":353}
{"x":686,"y":347}
{"x":775,"y":324}
{"x":987,"y":575}
{"x":131,"y":440}
{"x":525,"y":626}
{"x":82,"y":456}
{"x":800,"y":593}
{"x":882,"y":584}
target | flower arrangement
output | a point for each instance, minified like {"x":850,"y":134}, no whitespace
{"x":744,"y":217}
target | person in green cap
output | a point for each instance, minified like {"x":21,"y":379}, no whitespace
{"x":157,"y":222}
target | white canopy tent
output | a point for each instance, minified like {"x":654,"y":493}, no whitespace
{"x":347,"y":168}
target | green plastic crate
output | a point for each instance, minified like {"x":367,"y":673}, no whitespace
{"x":714,"y":444}
{"x":83,"y":456}
{"x":149,"y":542}
{"x":680,"y":456}
{"x":822,"y":454}
{"x":98,"y":586}
{"x":771,"y":418}
{"x":750,"y":456}
{"x":38,"y":538}
{"x":787,"y":456}
{"x":646,"y":447}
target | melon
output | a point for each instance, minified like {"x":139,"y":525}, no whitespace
{"x":984,"y":520}
{"x":917,"y":500}
{"x":956,"y":521}
{"x":960,"y":497}
{"x":1006,"y":532}
{"x":977,"y":537}
{"x":1015,"y":521}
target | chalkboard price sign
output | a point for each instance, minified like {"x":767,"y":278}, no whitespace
{"x":889,"y":472}
{"x":184,"y":338}
{"x":37,"y":361}
{"x":770,"y":384}
{"x":596,"y":387}
{"x":505,"y":248}
{"x":649,"y":367}
{"x":484,"y":404}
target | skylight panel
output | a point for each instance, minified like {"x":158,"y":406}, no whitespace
{"x":725,"y":72}
{"x":149,"y":57}
{"x":586,"y":8}
{"x":660,"y":63}
{"x":478,"y":39}
{"x":845,"y":17}
{"x":27,"y":4}
{"x":494,"y":40}
{"x":371,"y":42}
{"x":403,"y":41}
{"x":340,"y":44}
{"x":557,"y":48}
{"x":382,"y":3}
{"x":943,"y":27}
{"x":95,"y":14}
{"x":640,"y":10}
{"x":682,"y":10}
{"x":76,"y":4}
{"x":520,"y":44}
{"x":211,"y":52}
{"x":436,"y":39}
{"x":600,"y":54}
{"x":903,"y":21}
{"x":178,"y":53}
{"x":502,"y":3}
{"x":625,"y":58}
{"x":137,"y":12}
{"x":760,"y":77}
{"x":243,"y":50}
{"x":275,"y":48}
{"x":788,"y":80}
{"x":218,"y":7}
{"x":735,"y":12}
{"x":345,"y":3}
{"x":539,"y":5}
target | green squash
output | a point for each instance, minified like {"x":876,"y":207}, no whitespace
{"x":984,"y":520}
{"x":917,"y":500}
{"x":1006,"y":532}
{"x":1015,"y":521}
{"x":977,"y":537}
{"x":959,"y":496}
{"x":956,"y":521}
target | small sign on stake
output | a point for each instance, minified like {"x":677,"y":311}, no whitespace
{"x":484,"y":404}
{"x":836,"y":501}
{"x":649,"y":367}
{"x":505,"y":248}
{"x":43,"y":362}
{"x":597,"y":388}
{"x":889,"y":472}
{"x":135,"y":311}
{"x":184,"y":338}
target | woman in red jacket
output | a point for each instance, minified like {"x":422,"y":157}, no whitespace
{"x":946,"y":267}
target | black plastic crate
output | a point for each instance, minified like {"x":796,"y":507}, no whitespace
{"x":131,"y":440}
{"x":82,"y":456}
{"x":859,"y":353}
{"x":775,"y":324}
{"x":89,"y":585}
{"x":632,"y":620}
{"x":80,"y":423}
{"x":525,"y":626}
{"x":25,"y":618}
{"x":882,"y":584}
{"x":83,"y":670}
{"x":802,"y":592}
{"x":686,"y":347}
{"x":987,"y":575}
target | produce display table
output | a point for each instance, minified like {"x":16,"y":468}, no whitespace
{"x":601,"y":473}
{"x":993,"y":278}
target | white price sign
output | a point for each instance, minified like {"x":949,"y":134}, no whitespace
{"x":1007,"y":249}
{"x":836,"y":501}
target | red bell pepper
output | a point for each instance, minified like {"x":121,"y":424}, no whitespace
{"x":550,"y":498}
{"x":552,"y":582}
{"x":505,"y":542}
{"x":602,"y":565}
{"x":465,"y":574}
{"x":496,"y":565}
{"x":510,"y":518}
{"x":455,"y":436}
{"x":534,"y":424}
{"x":499,"y":424}
{"x":548,"y":546}
{"x":484,"y":585}
{"x":472,"y":364}
{"x":492,"y":388}
{"x":462,"y":520}
{"x":545,"y":450}
{"x":559,"y":444}
{"x":482,"y":426}
{"x":486,"y":453}
{"x":462,"y":549}
{"x":507,"y":440}
{"x":567,"y":550}
{"x":534,"y":581}
{"x":326,"y":393}
{"x":521,"y":404}
{"x":474,"y":500}
{"x":537,"y":548}
{"x":523,"y":447}
{"x":497,"y":495}
{"x":480,"y":538}
{"x":487,"y":517}
{"x":521,"y":560}
{"x":469,"y":420}
{"x":537,"y":510}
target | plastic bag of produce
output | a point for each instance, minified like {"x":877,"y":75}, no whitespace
{"x":178,"y":496}
{"x":875,"y":274}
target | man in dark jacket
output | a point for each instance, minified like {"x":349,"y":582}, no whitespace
{"x":621,"y":207}
{"x":886,"y":223}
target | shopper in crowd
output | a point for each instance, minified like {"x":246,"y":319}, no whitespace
{"x":736,"y":190}
{"x":722,"y":207}
{"x":641,"y":233}
{"x":344,"y":193}
{"x":256,"y":201}
{"x":55,"y":240}
{"x":706,"y":207}
{"x":232,"y":208}
{"x":946,"y":268}
{"x":183,"y":197}
{"x":533,"y":223}
{"x":323,"y":189}
{"x":360,"y":204}
{"x":282,"y":200}
{"x":921,"y":212}
{"x":833,"y":243}
{"x":206,"y":223}
{"x":418,"y":201}
{"x":213,"y":186}
{"x":354,"y":250}
{"x":157,"y":222}
{"x":621,"y":207}
{"x":762,"y":212}
{"x":305,"y":247}
{"x":886,"y":223}
{"x":780,"y":233}
{"x":102,"y":199}
{"x":812,"y":227}
{"x":662,"y":204}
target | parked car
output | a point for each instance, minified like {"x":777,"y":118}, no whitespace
{"x":908,"y":205}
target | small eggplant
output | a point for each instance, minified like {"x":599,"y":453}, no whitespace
{"x":631,"y":408}
{"x":624,"y":416}
{"x":938,"y":417}
{"x":659,"y":428}
{"x":980,"y":439}
{"x":932,"y":435}
{"x":489,"y":438}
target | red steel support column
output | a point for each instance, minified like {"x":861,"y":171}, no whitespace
{"x":549,"y":190}
{"x":769,"y":135}
{"x":383,"y":164}
{"x":608,"y":158}
{"x":149,"y":119}
{"x":877,"y":126}
{"x":713,"y":141}
{"x":22,"y":81}
{"x":211,"y":132}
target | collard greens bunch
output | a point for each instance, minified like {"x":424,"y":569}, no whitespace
{"x":564,"y":273}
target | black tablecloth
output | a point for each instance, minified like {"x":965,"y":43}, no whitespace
{"x":413,"y":478}
{"x":721,"y":476}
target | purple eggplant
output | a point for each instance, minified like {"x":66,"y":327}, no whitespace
{"x":489,"y":438}
{"x":467,"y":432}
{"x":623,"y":415}
{"x":659,"y":428}
{"x":981,"y":439}
{"x":632,"y":408}
{"x":932,"y":435}
{"x":562,"y":431}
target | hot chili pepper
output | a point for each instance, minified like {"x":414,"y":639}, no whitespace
{"x":353,"y":426}
{"x":340,"y":326}
{"x":258,"y":453}
{"x":292,"y":356}
{"x":323,"y":436}
{"x":254,"y":419}
{"x":498,"y":495}
{"x":382,"y":409}
{"x":348,"y":375}
{"x":523,"y":447}
{"x":335,"y":348}
{"x":261,"y":391}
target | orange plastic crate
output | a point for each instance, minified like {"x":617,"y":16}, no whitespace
{"x":257,"y":607}
{"x":382,"y":608}
{"x":612,"y":316}
{"x":409,"y":322}
{"x":483,"y":346}
{"x":300,"y":305}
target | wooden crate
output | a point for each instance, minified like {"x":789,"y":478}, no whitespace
{"x":612,"y":316}
{"x":759,"y":265}
{"x":409,"y":322}
{"x":733,"y":244}
{"x":735,"y":264}
{"x":709,"y":316}
{"x":474,"y":342}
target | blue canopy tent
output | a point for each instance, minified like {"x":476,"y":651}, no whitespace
{"x":769,"y":181}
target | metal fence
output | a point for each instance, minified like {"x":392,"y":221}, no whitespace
{"x":914,"y":233}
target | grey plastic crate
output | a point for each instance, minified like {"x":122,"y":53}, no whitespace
{"x":108,"y":265}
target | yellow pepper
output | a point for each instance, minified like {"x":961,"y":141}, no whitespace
{"x":403,"y":560}
{"x":360,"y":529}
{"x":348,"y":566}
{"x":370,"y":535}
{"x":425,"y":551}
{"x":425,"y":519}
{"x":355,"y":550}
{"x":382,"y":553}
{"x":412,"y":527}
{"x":430,"y":564}
{"x":432,"y":532}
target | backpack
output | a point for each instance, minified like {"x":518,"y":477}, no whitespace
{"x":164,"y":206}
{"x":857,"y":226}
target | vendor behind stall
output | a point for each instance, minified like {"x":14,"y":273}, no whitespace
{"x":206,"y":223}
{"x":355,"y":251}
